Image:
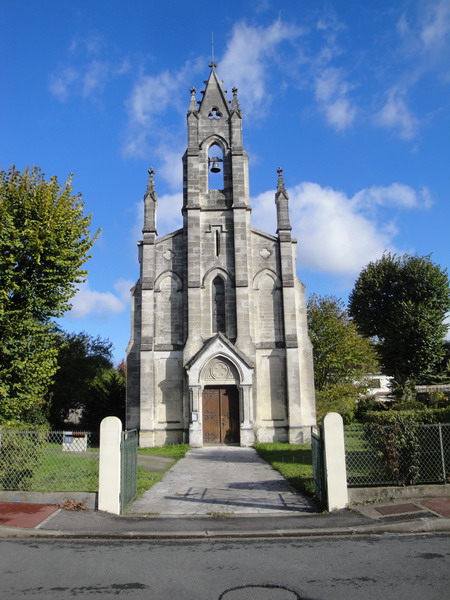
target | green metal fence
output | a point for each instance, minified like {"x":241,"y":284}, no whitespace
{"x":397,"y":454}
{"x":128,"y":478}
{"x":318,"y":465}
{"x":49,"y":461}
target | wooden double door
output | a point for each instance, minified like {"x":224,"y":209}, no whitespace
{"x":221,"y":415}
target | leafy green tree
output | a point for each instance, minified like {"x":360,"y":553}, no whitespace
{"x":81,"y":359}
{"x":342,"y":357}
{"x":107,"y":399}
{"x":440,"y":374}
{"x":44,"y":241}
{"x":402,"y":302}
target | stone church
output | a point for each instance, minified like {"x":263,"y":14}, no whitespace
{"x":219,"y":350}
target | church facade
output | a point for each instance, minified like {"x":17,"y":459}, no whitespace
{"x":219,"y":350}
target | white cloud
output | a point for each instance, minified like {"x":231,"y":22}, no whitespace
{"x":248,"y":58}
{"x":395,"y":194}
{"x":89,"y":302}
{"x":151,"y":97}
{"x":168,"y":215}
{"x":425,"y":31}
{"x":123,"y":287}
{"x":170,"y":168}
{"x":94,"y":78}
{"x":62,"y":82}
{"x":436,"y":25}
{"x":336,"y":235}
{"x":396,"y":115}
{"x":331,"y":88}
{"x":83,"y":73}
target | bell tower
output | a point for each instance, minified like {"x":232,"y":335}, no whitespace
{"x":216,"y":216}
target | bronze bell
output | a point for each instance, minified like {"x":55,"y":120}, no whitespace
{"x":214,"y":162}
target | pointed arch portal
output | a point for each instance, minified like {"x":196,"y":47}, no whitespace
{"x":220,"y":381}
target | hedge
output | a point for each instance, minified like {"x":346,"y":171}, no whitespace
{"x":422,"y":415}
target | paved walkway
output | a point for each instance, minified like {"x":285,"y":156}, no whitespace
{"x":221,"y":480}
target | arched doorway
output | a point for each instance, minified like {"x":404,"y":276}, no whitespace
{"x":221,"y":414}
{"x":220,"y":381}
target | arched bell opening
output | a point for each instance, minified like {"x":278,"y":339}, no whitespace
{"x":215,"y":167}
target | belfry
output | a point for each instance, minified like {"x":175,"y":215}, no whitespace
{"x":219,"y":350}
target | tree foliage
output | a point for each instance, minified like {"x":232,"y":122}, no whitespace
{"x":440,"y":374}
{"x":44,"y":242}
{"x":81,"y":359}
{"x":340,"y":352}
{"x":342,"y":357}
{"x":107,"y":399}
{"x":402,"y":302}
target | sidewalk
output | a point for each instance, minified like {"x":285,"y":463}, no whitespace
{"x":223,"y":492}
{"x":228,"y":480}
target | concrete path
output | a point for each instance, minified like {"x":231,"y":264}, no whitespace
{"x":221,"y":480}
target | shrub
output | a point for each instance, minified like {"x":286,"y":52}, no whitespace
{"x":397,"y":444}
{"x":423,"y":415}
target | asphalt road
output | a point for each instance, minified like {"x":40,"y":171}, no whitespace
{"x":378,"y":567}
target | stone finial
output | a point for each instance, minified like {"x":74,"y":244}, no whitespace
{"x":151,"y":181}
{"x":212,"y":65}
{"x":193,"y":102}
{"x":280,"y":185}
{"x":150,"y":202}
{"x":235,"y":102}
{"x":282,"y":204}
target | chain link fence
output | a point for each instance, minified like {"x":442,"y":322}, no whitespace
{"x":397,"y":454}
{"x":49,"y":461}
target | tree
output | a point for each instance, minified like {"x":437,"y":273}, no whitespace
{"x":402,"y":302}
{"x":81,"y":359}
{"x":44,"y":241}
{"x":107,"y":399}
{"x":440,"y":374}
{"x":342,"y":357}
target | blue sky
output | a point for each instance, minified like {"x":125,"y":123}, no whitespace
{"x":350,"y":98}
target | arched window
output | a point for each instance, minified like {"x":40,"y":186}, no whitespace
{"x":218,"y":305}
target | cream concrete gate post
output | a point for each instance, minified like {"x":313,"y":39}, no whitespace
{"x":334,"y":460}
{"x":110,"y":467}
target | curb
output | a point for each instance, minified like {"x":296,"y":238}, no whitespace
{"x":424,"y":525}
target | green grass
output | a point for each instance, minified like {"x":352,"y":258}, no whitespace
{"x":146,"y":479}
{"x":58,"y":471}
{"x":63,"y":472}
{"x":175,"y":451}
{"x":293,"y":461}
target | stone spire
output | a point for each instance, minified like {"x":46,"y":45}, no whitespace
{"x":214,"y":96}
{"x":282,"y":204}
{"x":193,"y":103}
{"x":150,"y":205}
{"x":235,"y":108}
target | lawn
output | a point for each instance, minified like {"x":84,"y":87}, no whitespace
{"x":53,"y":471}
{"x":58,"y":471}
{"x":175,"y":451}
{"x":293,"y":461}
